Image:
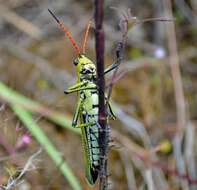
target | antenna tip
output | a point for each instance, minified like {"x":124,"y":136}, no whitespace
{"x":57,"y":20}
{"x":50,"y":11}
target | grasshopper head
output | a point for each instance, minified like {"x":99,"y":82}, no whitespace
{"x":86,"y":69}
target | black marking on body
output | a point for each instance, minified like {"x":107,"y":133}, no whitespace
{"x":94,"y":92}
{"x":92,"y":115}
{"x":95,"y":106}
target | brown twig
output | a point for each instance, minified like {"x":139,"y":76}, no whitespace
{"x":119,"y":51}
{"x":103,"y":135}
{"x":137,"y":151}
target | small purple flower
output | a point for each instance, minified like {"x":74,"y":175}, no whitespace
{"x":159,"y":53}
{"x":23,"y":142}
{"x":26,"y":139}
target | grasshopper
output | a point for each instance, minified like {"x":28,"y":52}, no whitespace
{"x":87,"y":105}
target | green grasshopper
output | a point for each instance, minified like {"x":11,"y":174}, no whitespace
{"x":87,"y":106}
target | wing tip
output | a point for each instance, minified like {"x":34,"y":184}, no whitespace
{"x":92,"y":178}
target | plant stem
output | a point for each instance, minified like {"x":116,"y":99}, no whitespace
{"x":103,"y":135}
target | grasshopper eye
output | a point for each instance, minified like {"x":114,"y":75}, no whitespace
{"x":75,"y":62}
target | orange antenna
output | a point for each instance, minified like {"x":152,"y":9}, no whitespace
{"x":66,"y":31}
{"x":86,"y":36}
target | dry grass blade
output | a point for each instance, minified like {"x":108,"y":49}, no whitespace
{"x":178,"y":90}
{"x":14,"y":182}
{"x":20,"y":23}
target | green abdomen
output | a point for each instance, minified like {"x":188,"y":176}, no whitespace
{"x":90,"y":135}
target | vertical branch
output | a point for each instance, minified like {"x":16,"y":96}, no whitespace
{"x":175,"y":69}
{"x":103,"y":135}
{"x":178,"y":90}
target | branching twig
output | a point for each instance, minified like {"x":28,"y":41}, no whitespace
{"x":30,"y":164}
{"x":126,"y":23}
{"x":119,"y":51}
{"x":139,"y":152}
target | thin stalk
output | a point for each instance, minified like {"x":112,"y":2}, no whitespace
{"x":103,"y":135}
{"x":179,"y":94}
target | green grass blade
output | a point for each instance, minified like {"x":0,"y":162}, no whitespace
{"x":40,"y":136}
{"x":14,"y":97}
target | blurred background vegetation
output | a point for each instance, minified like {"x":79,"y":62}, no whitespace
{"x":36,"y":61}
